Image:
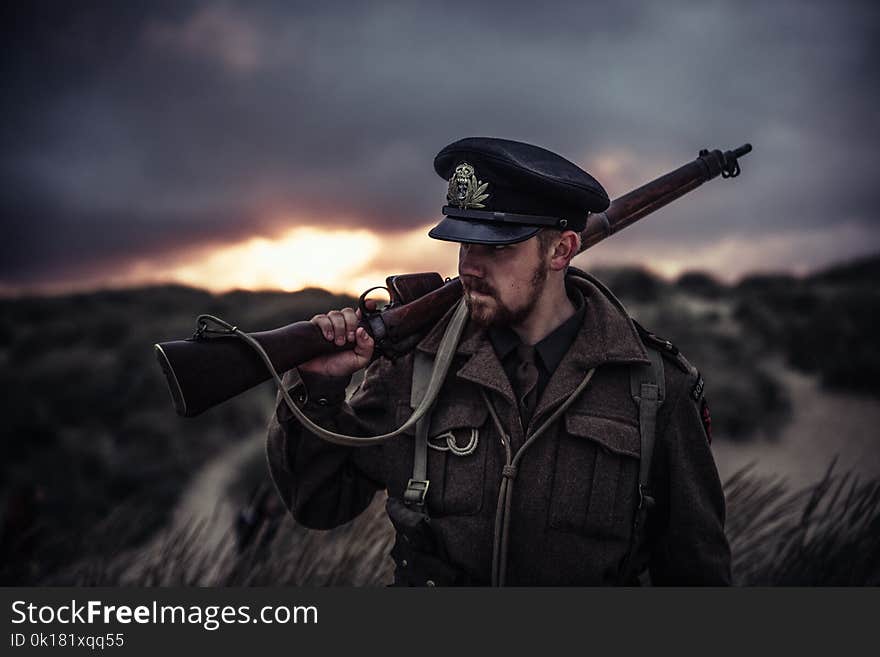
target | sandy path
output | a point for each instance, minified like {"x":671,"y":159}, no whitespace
{"x":823,"y":424}
{"x":206,"y":505}
{"x":207,"y":495}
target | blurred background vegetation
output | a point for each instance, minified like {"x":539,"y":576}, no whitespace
{"x":104,"y":484}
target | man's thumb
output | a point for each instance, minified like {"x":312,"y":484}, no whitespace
{"x":364,"y":343}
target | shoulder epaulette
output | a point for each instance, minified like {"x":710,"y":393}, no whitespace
{"x":664,"y":346}
{"x":671,"y":352}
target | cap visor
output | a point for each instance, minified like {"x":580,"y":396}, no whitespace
{"x":480,"y":232}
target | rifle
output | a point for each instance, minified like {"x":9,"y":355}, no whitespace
{"x":213,"y":366}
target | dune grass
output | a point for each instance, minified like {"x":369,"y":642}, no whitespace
{"x":824,"y":535}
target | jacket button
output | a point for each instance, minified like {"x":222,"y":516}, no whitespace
{"x":323,"y":401}
{"x":430,"y":582}
{"x":404,"y":563}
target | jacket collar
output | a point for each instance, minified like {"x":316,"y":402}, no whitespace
{"x":607,"y":335}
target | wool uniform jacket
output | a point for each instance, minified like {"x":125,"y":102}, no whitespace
{"x":577,"y":485}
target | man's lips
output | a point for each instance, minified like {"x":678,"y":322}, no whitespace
{"x":478,"y":289}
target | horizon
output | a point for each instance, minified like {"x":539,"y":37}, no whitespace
{"x":14,"y":295}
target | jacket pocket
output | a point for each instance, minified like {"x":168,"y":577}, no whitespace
{"x":457,"y":480}
{"x":462,"y":475}
{"x":595,"y":480}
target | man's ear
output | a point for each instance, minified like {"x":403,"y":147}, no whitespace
{"x":565,"y":248}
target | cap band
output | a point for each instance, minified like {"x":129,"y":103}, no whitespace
{"x":506,"y":217}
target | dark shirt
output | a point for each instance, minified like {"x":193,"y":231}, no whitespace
{"x":549,"y":351}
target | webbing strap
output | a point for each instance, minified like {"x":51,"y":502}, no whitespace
{"x":417,"y":486}
{"x":649,"y":403}
{"x":648,"y":389}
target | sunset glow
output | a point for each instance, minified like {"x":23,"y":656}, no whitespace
{"x":353,"y":260}
{"x":337,"y":260}
{"x":302,"y":257}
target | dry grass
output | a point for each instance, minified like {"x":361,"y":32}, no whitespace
{"x":281,"y":553}
{"x":824,"y":535}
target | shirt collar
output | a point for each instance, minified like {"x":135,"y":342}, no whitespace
{"x":553,"y":347}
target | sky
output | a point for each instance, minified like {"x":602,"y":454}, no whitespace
{"x":277,"y":145}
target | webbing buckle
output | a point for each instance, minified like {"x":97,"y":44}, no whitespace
{"x":416,"y":490}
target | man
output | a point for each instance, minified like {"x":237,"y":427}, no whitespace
{"x":562,"y":448}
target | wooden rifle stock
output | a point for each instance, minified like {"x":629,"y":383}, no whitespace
{"x":203,"y":371}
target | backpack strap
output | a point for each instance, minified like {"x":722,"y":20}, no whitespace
{"x":417,"y":486}
{"x":648,"y":389}
{"x":647,"y":386}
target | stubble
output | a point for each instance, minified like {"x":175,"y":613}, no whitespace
{"x":491,"y":312}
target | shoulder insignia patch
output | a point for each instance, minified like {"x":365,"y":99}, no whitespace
{"x":699,"y":386}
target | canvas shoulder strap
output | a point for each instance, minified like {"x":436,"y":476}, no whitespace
{"x":417,"y":486}
{"x":648,"y":390}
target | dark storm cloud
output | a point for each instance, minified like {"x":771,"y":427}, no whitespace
{"x":136,"y":129}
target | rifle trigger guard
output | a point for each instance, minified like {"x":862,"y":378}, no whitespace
{"x":373,"y":318}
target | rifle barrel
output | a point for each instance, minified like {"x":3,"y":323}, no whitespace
{"x":642,"y":201}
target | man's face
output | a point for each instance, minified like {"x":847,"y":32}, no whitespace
{"x":502,"y":284}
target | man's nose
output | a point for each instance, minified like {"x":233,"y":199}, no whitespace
{"x":469,"y":260}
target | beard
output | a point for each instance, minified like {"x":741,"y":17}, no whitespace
{"x":487,"y":310}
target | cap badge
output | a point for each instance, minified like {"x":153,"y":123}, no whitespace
{"x":465,"y":190}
